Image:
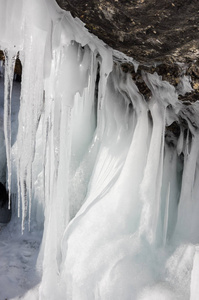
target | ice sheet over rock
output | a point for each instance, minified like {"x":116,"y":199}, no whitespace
{"x":94,"y":166}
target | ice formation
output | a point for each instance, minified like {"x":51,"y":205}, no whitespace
{"x":94,"y":167}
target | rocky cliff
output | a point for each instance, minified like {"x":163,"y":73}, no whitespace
{"x":162,"y":35}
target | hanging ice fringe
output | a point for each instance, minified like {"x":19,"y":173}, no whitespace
{"x":94,"y":166}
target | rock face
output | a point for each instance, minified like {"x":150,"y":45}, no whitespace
{"x":148,"y":30}
{"x":164,"y":32}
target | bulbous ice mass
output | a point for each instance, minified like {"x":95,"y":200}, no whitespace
{"x":95,"y":167}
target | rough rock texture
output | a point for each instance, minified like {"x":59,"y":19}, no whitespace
{"x":163,"y":32}
{"x":148,"y":30}
{"x":162,"y":35}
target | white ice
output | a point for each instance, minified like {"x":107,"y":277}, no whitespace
{"x":104,"y":193}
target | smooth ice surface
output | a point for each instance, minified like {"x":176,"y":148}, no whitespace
{"x":104,"y":193}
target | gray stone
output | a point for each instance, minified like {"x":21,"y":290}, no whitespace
{"x":147,"y":30}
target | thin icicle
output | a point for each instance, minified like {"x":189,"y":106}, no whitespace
{"x":150,"y":188}
{"x":180,"y":142}
{"x":18,"y":194}
{"x":24,"y":200}
{"x":10,"y":58}
{"x":29,"y":197}
{"x":166,"y":216}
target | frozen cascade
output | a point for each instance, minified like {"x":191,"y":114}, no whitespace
{"x":94,"y":167}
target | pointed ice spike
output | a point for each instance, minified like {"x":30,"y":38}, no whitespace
{"x":30,"y":197}
{"x":24,"y":199}
{"x":10,"y":57}
{"x":166,"y":217}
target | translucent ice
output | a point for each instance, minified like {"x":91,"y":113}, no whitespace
{"x":95,"y":167}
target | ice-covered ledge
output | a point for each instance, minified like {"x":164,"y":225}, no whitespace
{"x":158,"y":34}
{"x":149,"y":31}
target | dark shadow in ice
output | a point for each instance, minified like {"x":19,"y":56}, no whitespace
{"x":5,"y":212}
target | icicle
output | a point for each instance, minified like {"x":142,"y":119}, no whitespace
{"x":24,"y":199}
{"x":10,"y":57}
{"x":180,"y":142}
{"x":187,"y":204}
{"x":166,"y":216}
{"x":30,"y":190}
{"x":18,"y":197}
{"x":151,"y":185}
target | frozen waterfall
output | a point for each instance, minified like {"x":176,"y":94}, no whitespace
{"x":93,"y":168}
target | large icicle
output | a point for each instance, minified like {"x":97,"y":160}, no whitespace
{"x":10,"y":57}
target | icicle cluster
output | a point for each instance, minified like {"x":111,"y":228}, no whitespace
{"x":96,"y":166}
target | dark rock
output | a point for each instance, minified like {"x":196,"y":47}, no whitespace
{"x":163,"y":36}
{"x":169,"y":72}
{"x":174,"y":128}
{"x":147,"y":30}
{"x":17,"y":69}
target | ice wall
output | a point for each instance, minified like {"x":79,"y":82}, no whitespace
{"x":95,"y":166}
